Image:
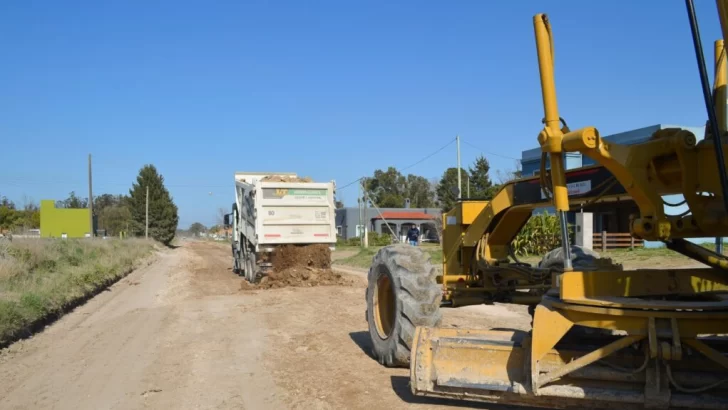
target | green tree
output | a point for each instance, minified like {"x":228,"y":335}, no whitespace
{"x":163,"y":217}
{"x":114,"y":219}
{"x":33,"y":219}
{"x":73,"y":202}
{"x":419,"y":192}
{"x":390,"y":188}
{"x":448,"y":186}
{"x":481,"y":187}
{"x":8,"y":213}
{"x":108,"y":200}
{"x":112,"y":213}
{"x":387,"y":188}
{"x":196,"y":228}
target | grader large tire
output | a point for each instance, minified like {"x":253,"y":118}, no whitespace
{"x":402,"y":294}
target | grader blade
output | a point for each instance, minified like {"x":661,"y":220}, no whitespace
{"x":494,"y":367}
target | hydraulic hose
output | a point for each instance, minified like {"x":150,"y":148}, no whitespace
{"x":708,"y":97}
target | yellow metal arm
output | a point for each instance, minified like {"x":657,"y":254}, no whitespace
{"x":719,"y":86}
{"x":671,"y":162}
{"x":551,"y":136}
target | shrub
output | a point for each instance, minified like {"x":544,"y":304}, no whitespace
{"x":379,"y":239}
{"x":375,"y":239}
{"x":540,"y":235}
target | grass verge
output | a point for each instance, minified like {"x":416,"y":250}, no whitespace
{"x":41,"y":279}
{"x":631,"y":259}
{"x":362,"y":258}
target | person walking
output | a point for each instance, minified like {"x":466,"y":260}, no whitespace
{"x":413,"y":235}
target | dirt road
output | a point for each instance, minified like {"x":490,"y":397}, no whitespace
{"x":180,"y":334}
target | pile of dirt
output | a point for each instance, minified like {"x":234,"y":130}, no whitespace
{"x":312,"y":256}
{"x":285,"y":178}
{"x":299,"y":266}
{"x":301,"y":277}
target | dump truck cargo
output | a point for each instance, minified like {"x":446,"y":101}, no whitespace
{"x":276,"y":209}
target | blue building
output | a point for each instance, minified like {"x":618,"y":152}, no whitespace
{"x":613,"y":218}
{"x":531,"y":159}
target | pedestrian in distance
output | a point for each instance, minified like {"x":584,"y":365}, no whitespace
{"x":413,"y":235}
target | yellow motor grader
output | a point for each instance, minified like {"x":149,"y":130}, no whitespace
{"x":601,"y":336}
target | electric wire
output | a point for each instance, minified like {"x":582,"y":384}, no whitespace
{"x":487,"y":152}
{"x":425,"y":158}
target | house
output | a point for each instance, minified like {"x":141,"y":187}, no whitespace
{"x":63,"y":223}
{"x":611,"y":217}
{"x":350,"y":221}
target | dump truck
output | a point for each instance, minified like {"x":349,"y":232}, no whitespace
{"x":276,"y":209}
{"x":602,"y":336}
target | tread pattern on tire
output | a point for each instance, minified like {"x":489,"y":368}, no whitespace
{"x":418,"y":296}
{"x":581,"y":259}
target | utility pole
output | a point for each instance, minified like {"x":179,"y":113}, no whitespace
{"x":359,"y":227}
{"x":460,"y":183}
{"x":364,"y":225}
{"x":90,"y":199}
{"x":468,"y":187}
{"x":146,"y":228}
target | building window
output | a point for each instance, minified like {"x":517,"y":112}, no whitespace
{"x":359,"y":230}
{"x":338,"y":230}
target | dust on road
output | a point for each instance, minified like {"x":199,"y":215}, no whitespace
{"x":180,"y":334}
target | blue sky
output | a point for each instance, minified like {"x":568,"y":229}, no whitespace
{"x":327,"y":89}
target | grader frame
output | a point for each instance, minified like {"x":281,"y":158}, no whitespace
{"x":656,"y":339}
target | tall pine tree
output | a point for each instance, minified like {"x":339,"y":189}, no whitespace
{"x":447,"y":188}
{"x":163,"y":218}
{"x":481,"y":187}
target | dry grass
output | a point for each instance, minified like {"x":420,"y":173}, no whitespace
{"x":40,"y":279}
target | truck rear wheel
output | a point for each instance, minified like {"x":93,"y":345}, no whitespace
{"x":250,"y":266}
{"x":402,"y":294}
{"x":237,"y":247}
{"x":237,"y":262}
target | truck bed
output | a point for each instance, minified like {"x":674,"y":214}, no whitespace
{"x":295,"y":213}
{"x":277,"y":213}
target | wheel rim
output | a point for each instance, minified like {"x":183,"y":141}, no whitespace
{"x":384,"y":306}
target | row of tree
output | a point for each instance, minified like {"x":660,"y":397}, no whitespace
{"x":114,"y":213}
{"x":390,"y":188}
{"x":13,"y":217}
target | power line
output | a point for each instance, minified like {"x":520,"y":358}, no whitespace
{"x":349,"y":184}
{"x":20,"y":182}
{"x":425,"y":158}
{"x":489,"y":153}
{"x":429,"y":156}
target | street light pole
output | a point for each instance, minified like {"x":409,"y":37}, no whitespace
{"x":146,"y":228}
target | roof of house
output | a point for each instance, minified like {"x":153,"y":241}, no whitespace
{"x":404,"y":215}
